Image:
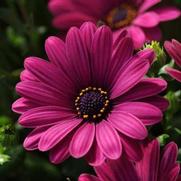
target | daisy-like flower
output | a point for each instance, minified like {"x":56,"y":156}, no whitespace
{"x":152,"y":167}
{"x":91,"y":99}
{"x":174,"y":50}
{"x":133,"y":15}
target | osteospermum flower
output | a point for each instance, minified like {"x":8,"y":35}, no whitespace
{"x":174,"y":50}
{"x":152,"y":167}
{"x":91,"y":99}
{"x":134,"y":15}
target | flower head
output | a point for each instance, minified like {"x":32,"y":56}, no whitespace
{"x":152,"y":167}
{"x":91,"y":98}
{"x":134,"y":15}
{"x":174,"y":50}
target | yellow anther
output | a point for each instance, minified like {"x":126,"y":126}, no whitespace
{"x":107,"y":101}
{"x":94,"y":88}
{"x":87,"y":89}
{"x":81,"y":94}
{"x":77,"y":108}
{"x":102,"y":110}
{"x":77,"y":99}
{"x":85,"y":116}
{"x":106,"y":105}
{"x":94,"y":116}
{"x":100,"y":89}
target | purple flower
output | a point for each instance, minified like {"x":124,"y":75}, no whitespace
{"x":133,"y":15}
{"x":152,"y":167}
{"x":174,"y":50}
{"x":91,"y":99}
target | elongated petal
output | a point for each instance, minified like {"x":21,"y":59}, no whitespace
{"x":145,"y":88}
{"x":157,"y":101}
{"x":147,"y":113}
{"x":32,"y":140}
{"x":131,"y":147}
{"x":169,"y":158}
{"x":148,"y":4}
{"x":41,"y":94}
{"x":71,"y":18}
{"x":138,"y":36}
{"x":176,"y":74}
{"x":87,"y":177}
{"x":101,"y":54}
{"x":167,"y":13}
{"x":78,"y":56}
{"x":55,"y":49}
{"x":121,"y":55}
{"x":82,"y":140}
{"x":49,"y":74}
{"x":56,"y":133}
{"x":130,"y":76}
{"x":148,"y":166}
{"x":173,"y":49}
{"x":95,"y":156}
{"x":147,"y":20}
{"x":128,"y":124}
{"x":108,"y":140}
{"x":22,"y":105}
{"x":60,"y":152}
{"x":46,"y":115}
{"x":88,"y":30}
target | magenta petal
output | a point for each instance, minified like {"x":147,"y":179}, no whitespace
{"x":131,"y":147}
{"x":128,"y":124}
{"x":173,"y":49}
{"x":105,"y":172}
{"x":130,"y":76}
{"x":153,"y":33}
{"x":176,"y":74}
{"x":73,"y":18}
{"x":60,"y":152}
{"x":148,"y":166}
{"x":22,"y":105}
{"x":148,"y":4}
{"x":31,"y":141}
{"x":87,"y":177}
{"x":46,"y":115}
{"x":56,"y":133}
{"x":101,"y":55}
{"x":49,"y":74}
{"x":88,"y":30}
{"x":95,"y":156}
{"x":77,"y":54}
{"x":41,"y":94}
{"x":82,"y":140}
{"x":169,"y":157}
{"x":145,"y":88}
{"x":167,"y":13}
{"x":27,"y":75}
{"x":147,"y":113}
{"x":108,"y":140}
{"x":122,"y":53}
{"x":123,"y":170}
{"x":147,"y":20}
{"x":157,"y":101}
{"x":55,"y":49}
{"x":138,"y":36}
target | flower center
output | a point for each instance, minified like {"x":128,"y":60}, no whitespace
{"x":91,"y":103}
{"x":121,"y":16}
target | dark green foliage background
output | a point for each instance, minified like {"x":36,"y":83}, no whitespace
{"x":24,"y":26}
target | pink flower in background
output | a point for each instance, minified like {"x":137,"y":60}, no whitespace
{"x":174,"y":50}
{"x":133,"y":15}
{"x":91,"y":99}
{"x":152,"y":167}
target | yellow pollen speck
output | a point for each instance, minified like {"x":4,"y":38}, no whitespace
{"x":85,"y":116}
{"x":94,"y":116}
{"x":99,"y":115}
